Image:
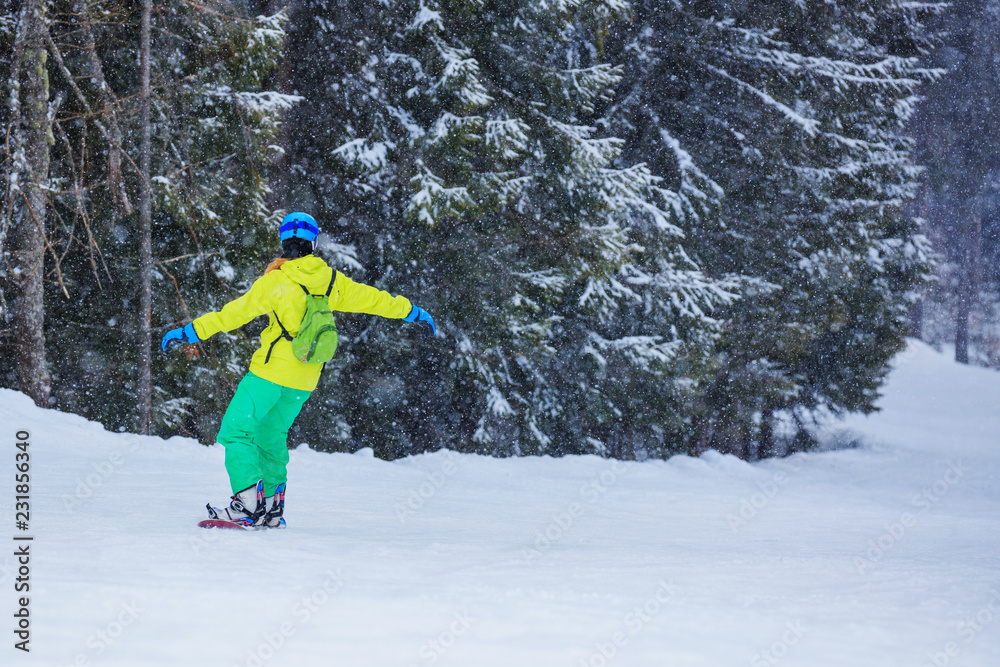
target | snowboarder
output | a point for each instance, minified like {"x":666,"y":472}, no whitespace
{"x":254,"y":430}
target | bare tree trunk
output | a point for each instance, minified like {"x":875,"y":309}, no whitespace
{"x":917,"y":320}
{"x":109,"y":109}
{"x":917,"y":312}
{"x":145,"y":237}
{"x":13,"y":140}
{"x":28,"y":235}
{"x":765,"y":441}
{"x":968,"y":287}
{"x":962,"y":320}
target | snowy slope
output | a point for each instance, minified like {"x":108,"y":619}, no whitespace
{"x":885,"y":555}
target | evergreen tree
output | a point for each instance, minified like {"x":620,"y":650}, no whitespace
{"x":793,"y":114}
{"x":460,"y":149}
{"x":214,"y":233}
{"x":213,"y":127}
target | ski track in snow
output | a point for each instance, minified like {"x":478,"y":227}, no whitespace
{"x":885,"y":554}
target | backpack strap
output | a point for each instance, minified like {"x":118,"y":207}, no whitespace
{"x":284,"y":331}
{"x":284,"y":334}
{"x":329,"y":289}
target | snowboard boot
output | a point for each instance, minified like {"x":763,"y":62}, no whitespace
{"x":246,"y":508}
{"x":275,"y":508}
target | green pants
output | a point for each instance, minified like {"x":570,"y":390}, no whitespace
{"x":254,"y":432}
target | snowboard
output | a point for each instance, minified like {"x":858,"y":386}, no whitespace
{"x":215,"y":522}
{"x":222,"y":523}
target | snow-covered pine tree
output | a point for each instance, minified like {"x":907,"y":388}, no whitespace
{"x":214,"y":136}
{"x":795,"y":112}
{"x":217,"y":136}
{"x":459,"y":148}
{"x":214,"y":123}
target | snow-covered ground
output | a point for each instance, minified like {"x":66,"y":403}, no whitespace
{"x":886,"y":554}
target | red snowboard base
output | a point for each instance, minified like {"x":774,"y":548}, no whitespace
{"x":222,"y":523}
{"x":230,"y":525}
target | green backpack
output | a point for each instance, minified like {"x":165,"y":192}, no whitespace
{"x":316,"y":341}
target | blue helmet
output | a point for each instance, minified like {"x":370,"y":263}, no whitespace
{"x":299,"y":225}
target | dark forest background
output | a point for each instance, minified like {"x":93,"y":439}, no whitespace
{"x":643,"y":228}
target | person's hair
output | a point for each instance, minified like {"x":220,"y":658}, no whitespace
{"x":294,"y":247}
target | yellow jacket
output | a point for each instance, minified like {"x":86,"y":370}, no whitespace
{"x":276,"y":293}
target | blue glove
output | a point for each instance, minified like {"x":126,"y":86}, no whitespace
{"x":423,"y":318}
{"x":179,"y":336}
